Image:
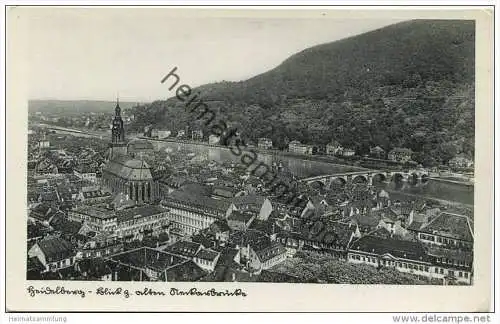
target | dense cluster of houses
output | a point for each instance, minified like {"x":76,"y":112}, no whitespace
{"x":46,"y":158}
{"x":213,"y":221}
{"x":206,"y":233}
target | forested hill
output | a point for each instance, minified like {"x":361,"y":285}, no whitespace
{"x":410,"y":84}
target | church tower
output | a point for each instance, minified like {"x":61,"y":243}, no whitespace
{"x":117,"y":146}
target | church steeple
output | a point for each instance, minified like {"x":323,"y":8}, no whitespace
{"x":117,"y":108}
{"x":117,"y":132}
{"x":117,"y":146}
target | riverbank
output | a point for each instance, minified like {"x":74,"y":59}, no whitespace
{"x":72,"y":130}
{"x":274,"y":153}
{"x":303,"y":157}
{"x":424,"y":197}
{"x":461,"y":182}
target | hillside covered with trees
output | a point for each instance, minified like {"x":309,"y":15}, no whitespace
{"x":406,"y":85}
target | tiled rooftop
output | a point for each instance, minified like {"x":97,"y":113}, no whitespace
{"x":138,"y":212}
{"x":397,"y":248}
{"x":450,"y":225}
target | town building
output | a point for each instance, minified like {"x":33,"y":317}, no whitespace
{"x":299,"y":148}
{"x":461,"y":162}
{"x":42,"y":213}
{"x":160,"y":134}
{"x":49,"y":196}
{"x":451,"y":265}
{"x":128,"y":223}
{"x":138,"y":221}
{"x":139,"y":147}
{"x":93,"y":195}
{"x":71,"y":231}
{"x":43,"y":143}
{"x":197,"y":135}
{"x":401,"y":155}
{"x":99,"y":219}
{"x":404,"y":256}
{"x":257,"y":250}
{"x":167,"y":184}
{"x":95,"y":269}
{"x":192,"y":212}
{"x":333,"y":148}
{"x":446,"y":230}
{"x":99,"y":246}
{"x":271,"y":255}
{"x":334,"y":239}
{"x":265,"y":143}
{"x":259,"y":205}
{"x":54,"y":253}
{"x":220,"y":230}
{"x":240,"y":220}
{"x":203,"y":257}
{"x":213,"y":139}
{"x":36,"y":231}
{"x":346,"y":152}
{"x":84,"y":171}
{"x":224,"y":192}
{"x":377,"y":152}
{"x":147,"y":264}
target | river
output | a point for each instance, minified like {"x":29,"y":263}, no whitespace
{"x":302,"y":168}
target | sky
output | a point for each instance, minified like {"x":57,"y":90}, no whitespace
{"x":99,"y":53}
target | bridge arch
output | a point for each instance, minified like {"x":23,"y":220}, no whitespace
{"x":413,"y":177}
{"x":360,"y":178}
{"x":337,"y":182}
{"x":398,"y":177}
{"x":317,"y":184}
{"x":379,"y":177}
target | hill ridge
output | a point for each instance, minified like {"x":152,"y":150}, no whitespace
{"x":338,"y":91}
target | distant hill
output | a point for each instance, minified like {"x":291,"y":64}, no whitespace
{"x":410,"y":84}
{"x":435,"y":50}
{"x":75,"y":106}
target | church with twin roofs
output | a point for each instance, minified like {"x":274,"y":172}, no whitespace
{"x":124,"y":173}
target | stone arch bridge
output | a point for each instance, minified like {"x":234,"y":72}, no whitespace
{"x":368,"y":177}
